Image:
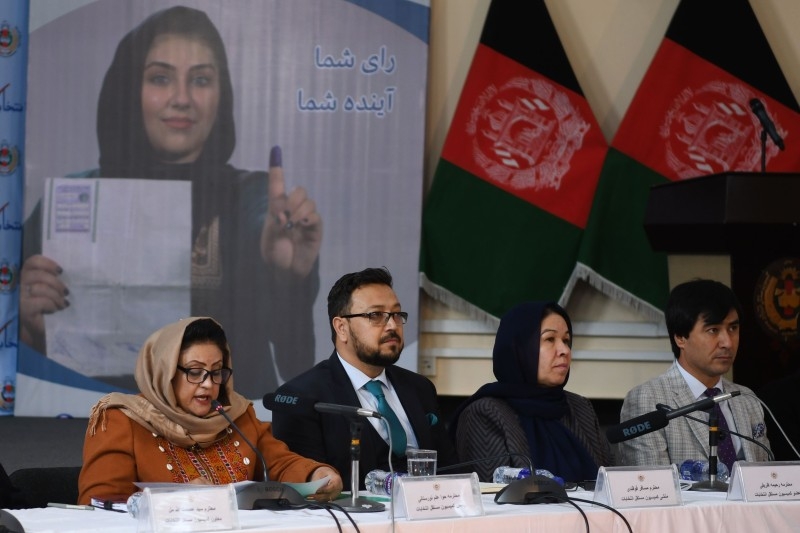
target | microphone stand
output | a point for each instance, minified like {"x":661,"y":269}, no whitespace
{"x":763,"y":151}
{"x":713,"y":484}
{"x":266,"y":494}
{"x":356,"y":503}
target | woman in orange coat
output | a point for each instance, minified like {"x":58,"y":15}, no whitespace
{"x":170,"y":432}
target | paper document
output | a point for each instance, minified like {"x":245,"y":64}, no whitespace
{"x":125,"y":249}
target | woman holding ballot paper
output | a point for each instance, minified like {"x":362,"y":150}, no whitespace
{"x":172,"y":431}
{"x":166,"y":112}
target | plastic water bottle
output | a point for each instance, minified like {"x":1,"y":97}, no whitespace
{"x":133,"y":503}
{"x":380,"y":481}
{"x":696,"y":470}
{"x":507,"y":474}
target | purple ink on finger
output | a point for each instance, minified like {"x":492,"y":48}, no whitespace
{"x":275,"y":157}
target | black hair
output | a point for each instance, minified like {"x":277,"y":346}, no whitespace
{"x":205,"y":330}
{"x":339,"y":297}
{"x":125,"y":149}
{"x":704,"y":299}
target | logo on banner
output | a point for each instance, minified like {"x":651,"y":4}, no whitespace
{"x":9,"y":158}
{"x":9,"y":39}
{"x":777,"y":299}
{"x":711,"y":130}
{"x":8,"y":275}
{"x":525,"y":133}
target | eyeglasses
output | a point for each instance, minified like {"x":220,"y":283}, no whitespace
{"x":199,"y":375}
{"x":381,"y":318}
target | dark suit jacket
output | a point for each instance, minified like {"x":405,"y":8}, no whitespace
{"x":326,"y":437}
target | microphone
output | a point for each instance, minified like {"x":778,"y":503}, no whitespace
{"x":658,"y":419}
{"x":758,"y":109}
{"x":268,"y":494}
{"x":722,"y":432}
{"x":221,"y":410}
{"x":701,"y":405}
{"x":533,"y":489}
{"x":636,"y":427}
{"x":296,"y":405}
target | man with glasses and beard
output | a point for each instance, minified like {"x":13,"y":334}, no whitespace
{"x":367,"y":331}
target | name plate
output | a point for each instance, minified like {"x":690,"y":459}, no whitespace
{"x":634,"y":486}
{"x":199,"y":508}
{"x":765,"y":481}
{"x":428,"y":497}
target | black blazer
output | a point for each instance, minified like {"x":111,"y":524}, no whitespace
{"x":326,"y":437}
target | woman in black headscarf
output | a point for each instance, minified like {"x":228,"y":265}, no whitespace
{"x":165,"y":111}
{"x":527,"y":413}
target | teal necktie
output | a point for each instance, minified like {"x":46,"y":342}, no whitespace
{"x":398,"y":433}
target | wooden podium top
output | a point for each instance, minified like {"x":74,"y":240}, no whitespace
{"x":723,"y":212}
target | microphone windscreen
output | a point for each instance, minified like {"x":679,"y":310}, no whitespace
{"x":635,"y":427}
{"x":289,"y":403}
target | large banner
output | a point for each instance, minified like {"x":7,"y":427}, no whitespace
{"x":224,"y":159}
{"x":13,"y":62}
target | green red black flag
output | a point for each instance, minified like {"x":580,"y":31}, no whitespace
{"x":690,"y":117}
{"x":513,"y":189}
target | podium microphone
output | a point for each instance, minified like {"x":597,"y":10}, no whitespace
{"x":758,"y":110}
{"x":272,"y":495}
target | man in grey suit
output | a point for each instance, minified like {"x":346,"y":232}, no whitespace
{"x":703,"y":324}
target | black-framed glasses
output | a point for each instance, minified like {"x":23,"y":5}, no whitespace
{"x":199,"y":375}
{"x":381,"y":318}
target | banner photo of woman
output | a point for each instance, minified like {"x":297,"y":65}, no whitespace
{"x":189,"y":160}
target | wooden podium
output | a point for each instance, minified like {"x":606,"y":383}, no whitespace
{"x":754,"y":218}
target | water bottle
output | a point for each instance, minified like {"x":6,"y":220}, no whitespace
{"x":133,"y":503}
{"x":380,"y":482}
{"x":697,"y":470}
{"x":507,"y":474}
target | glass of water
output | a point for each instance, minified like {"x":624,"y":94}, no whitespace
{"x":421,"y":462}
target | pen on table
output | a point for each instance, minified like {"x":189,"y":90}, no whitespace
{"x":71,"y":506}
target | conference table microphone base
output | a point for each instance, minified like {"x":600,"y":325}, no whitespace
{"x":355,"y":503}
{"x":359,"y":504}
{"x":710,"y":486}
{"x":532,"y":490}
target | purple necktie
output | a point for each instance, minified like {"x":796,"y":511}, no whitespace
{"x":725,"y":449}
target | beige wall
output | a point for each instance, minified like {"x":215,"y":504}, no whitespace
{"x":610,"y":44}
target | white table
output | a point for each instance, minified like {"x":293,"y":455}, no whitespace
{"x":701,"y":513}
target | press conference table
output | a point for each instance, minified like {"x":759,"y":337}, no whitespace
{"x":700,"y":512}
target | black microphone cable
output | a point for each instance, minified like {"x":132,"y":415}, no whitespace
{"x":777,"y":424}
{"x":572,"y":501}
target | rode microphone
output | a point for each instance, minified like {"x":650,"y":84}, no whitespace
{"x":655,"y":420}
{"x":758,"y":110}
{"x":297,"y":405}
{"x":635,"y":427}
{"x":268,"y":494}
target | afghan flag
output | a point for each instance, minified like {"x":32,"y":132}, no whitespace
{"x":690,"y":117}
{"x":512,"y":192}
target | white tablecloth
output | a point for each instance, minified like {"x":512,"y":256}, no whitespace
{"x":701,"y":513}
